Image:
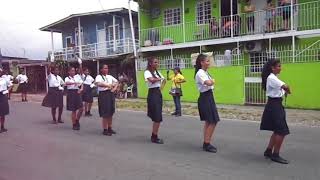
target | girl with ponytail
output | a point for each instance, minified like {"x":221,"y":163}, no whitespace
{"x":206,"y":104}
{"x":274,"y":115}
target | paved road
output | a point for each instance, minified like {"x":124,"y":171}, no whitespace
{"x":35,"y":150}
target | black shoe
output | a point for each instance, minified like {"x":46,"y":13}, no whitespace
{"x":75,"y":127}
{"x":112,"y":131}
{"x":178,"y":114}
{"x":60,"y":121}
{"x":209,"y":148}
{"x":156,"y":140}
{"x":268,"y":153}
{"x":278,"y":159}
{"x":106,"y":133}
{"x":174,"y":113}
{"x":54,"y":122}
{"x":3,"y":130}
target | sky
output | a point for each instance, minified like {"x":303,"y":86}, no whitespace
{"x":20,"y":21}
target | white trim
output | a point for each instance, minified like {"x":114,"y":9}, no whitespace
{"x":164,"y":19}
{"x":229,"y":40}
{"x":117,"y":27}
{"x":196,"y":11}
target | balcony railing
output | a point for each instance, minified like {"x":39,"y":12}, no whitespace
{"x":306,"y":16}
{"x":97,"y":50}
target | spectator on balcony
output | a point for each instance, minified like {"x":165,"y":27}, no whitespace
{"x":249,"y":9}
{"x":286,"y":12}
{"x":214,"y":28}
{"x":270,"y":14}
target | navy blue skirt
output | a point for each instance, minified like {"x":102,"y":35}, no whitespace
{"x":274,"y":117}
{"x":74,"y":100}
{"x":23,"y":88}
{"x":4,"y":105}
{"x":87,"y":95}
{"x":207,"y":108}
{"x":154,"y":101}
{"x":106,"y":104}
{"x":54,"y":98}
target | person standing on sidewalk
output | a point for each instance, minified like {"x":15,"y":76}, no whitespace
{"x":274,"y":115}
{"x":206,"y":104}
{"x":154,"y":81}
{"x":176,"y":89}
{"x":54,"y":97}
{"x":4,"y":105}
{"x":107,"y":86}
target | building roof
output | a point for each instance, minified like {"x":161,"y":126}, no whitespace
{"x":55,"y":27}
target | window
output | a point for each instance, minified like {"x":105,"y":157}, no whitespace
{"x":110,"y":32}
{"x":257,"y":60}
{"x":203,"y":12}
{"x":172,"y":16}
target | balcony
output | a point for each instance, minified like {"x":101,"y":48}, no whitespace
{"x":304,"y":17}
{"x":97,"y":50}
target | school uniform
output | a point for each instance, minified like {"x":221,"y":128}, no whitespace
{"x":274,"y":115}
{"x":106,"y":98}
{"x":88,"y":84}
{"x":23,"y":83}
{"x":154,"y":98}
{"x":206,"y":104}
{"x":74,"y":99}
{"x":54,"y":97}
{"x":4,"y":105}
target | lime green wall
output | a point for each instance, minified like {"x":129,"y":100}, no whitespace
{"x":303,"y":78}
{"x":228,"y":89}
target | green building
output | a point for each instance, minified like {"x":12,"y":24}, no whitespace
{"x":240,"y":39}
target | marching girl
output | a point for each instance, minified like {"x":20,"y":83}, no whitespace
{"x":4,"y":105}
{"x":274,"y":115}
{"x":107,"y":85}
{"x":206,"y":103}
{"x":74,"y":99}
{"x":8,"y":76}
{"x":23,"y":85}
{"x":154,"y":81}
{"x":54,"y":97}
{"x":87,"y":96}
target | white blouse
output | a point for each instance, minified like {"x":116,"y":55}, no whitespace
{"x":274,"y":87}
{"x":201,"y":77}
{"x":147,"y":74}
{"x":87,"y":79}
{"x":4,"y":85}
{"x":22,"y":78}
{"x":108,"y":79}
{"x":55,"y":81}
{"x":75,"y":79}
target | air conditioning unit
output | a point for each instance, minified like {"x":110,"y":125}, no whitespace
{"x":253,"y":46}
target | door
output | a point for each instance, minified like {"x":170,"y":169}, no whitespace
{"x":259,"y":16}
{"x":113,"y":41}
{"x":101,"y":46}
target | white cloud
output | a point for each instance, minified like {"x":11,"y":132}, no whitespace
{"x":20,"y":21}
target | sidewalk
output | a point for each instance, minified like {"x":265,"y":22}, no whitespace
{"x":235,"y":112}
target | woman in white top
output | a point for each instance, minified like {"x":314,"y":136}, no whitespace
{"x":8,"y":76}
{"x":4,"y":105}
{"x":54,"y":97}
{"x":107,"y":85}
{"x":74,"y":100}
{"x":154,"y":100}
{"x":206,"y":103}
{"x":23,"y":85}
{"x":274,"y":115}
{"x":87,"y":96}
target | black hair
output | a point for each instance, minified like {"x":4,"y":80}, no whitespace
{"x":269,"y":1}
{"x":200,"y":59}
{"x":150,"y":61}
{"x":101,"y":67}
{"x":178,"y":69}
{"x":267,"y":70}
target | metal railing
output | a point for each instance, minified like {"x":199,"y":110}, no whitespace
{"x":97,"y":50}
{"x":305,"y":17}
